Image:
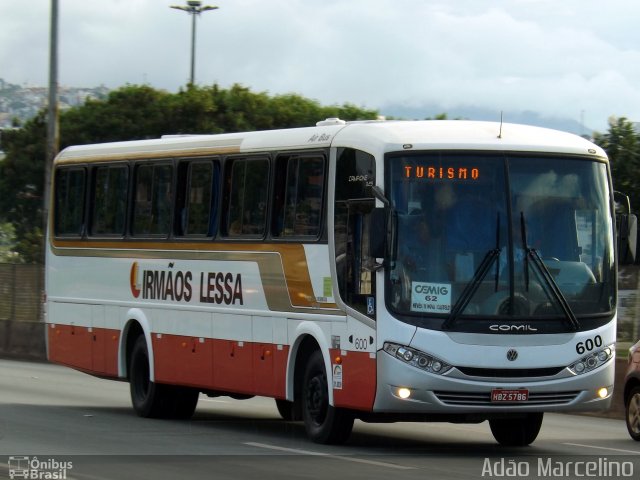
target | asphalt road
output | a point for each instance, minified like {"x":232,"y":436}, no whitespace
{"x":56,"y":421}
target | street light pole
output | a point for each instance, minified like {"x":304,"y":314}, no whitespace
{"x":53,"y":132}
{"x":193,"y":8}
{"x":193,"y":50}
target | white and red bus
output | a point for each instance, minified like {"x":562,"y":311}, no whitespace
{"x":385,"y":271}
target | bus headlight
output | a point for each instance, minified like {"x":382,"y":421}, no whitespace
{"x":593,"y":360}
{"x":416,"y":358}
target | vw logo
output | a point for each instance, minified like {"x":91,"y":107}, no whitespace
{"x":512,"y":355}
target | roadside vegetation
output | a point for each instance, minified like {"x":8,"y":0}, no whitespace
{"x":133,"y":113}
{"x":137,"y":112}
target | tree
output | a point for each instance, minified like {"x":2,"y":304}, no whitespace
{"x":622,"y":145}
{"x":136,"y":112}
{"x":130,"y":113}
{"x":7,"y":243}
{"x":439,"y":116}
{"x":21,"y":182}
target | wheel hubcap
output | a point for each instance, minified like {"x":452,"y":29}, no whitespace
{"x":317,"y":399}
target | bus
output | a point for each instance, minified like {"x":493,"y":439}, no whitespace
{"x":451,"y":271}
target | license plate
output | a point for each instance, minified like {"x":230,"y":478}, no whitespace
{"x":499,"y":395}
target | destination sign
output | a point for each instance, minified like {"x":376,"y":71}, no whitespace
{"x":426,"y":172}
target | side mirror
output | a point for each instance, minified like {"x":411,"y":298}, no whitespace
{"x":378,"y":232}
{"x":622,"y":203}
{"x":627,"y":230}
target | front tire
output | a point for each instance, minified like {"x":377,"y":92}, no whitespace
{"x":632,"y":413}
{"x":155,"y":400}
{"x":323,"y":422}
{"x":516,"y":432}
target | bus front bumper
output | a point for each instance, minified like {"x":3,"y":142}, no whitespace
{"x":402,"y":388}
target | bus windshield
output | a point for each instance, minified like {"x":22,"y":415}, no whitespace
{"x":514,"y":236}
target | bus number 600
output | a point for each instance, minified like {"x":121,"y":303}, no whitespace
{"x":588,"y":344}
{"x":361,"y":343}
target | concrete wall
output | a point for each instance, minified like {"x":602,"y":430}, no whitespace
{"x":22,"y":340}
{"x":21,"y":317}
{"x":21,"y":292}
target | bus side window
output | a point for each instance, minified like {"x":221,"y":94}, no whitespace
{"x":109,"y":200}
{"x":298,"y":196}
{"x":247,"y":184}
{"x":70,"y":201}
{"x":153,"y":199}
{"x":354,"y":203}
{"x":196,"y":199}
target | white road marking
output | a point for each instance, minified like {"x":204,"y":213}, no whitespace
{"x":322,"y":454}
{"x":634,"y":452}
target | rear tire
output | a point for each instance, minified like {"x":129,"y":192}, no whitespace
{"x":632,"y":413}
{"x":517,"y":431}
{"x":323,"y":422}
{"x":155,"y":400}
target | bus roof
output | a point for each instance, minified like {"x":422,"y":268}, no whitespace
{"x":370,"y":136}
{"x":462,"y":135}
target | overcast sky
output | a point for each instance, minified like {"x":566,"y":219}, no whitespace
{"x":564,"y":58}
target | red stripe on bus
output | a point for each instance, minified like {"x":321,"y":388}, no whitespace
{"x":358,"y":387}
{"x":252,"y":368}
{"x":210,"y":364}
{"x":223,"y":365}
{"x":182,"y":360}
{"x":94,"y":351}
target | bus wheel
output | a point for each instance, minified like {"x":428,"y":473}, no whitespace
{"x":154,"y":400}
{"x":632,"y":417}
{"x":324,"y":423}
{"x":288,"y":410}
{"x":516,"y":432}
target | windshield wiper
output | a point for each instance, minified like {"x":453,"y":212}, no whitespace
{"x":471,"y":287}
{"x":478,"y":276}
{"x":532,"y":254}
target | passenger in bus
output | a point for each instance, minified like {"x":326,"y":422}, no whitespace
{"x":422,"y":253}
{"x":470,"y":233}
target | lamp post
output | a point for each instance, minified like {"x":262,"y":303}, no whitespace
{"x":53,"y":128}
{"x":193,"y":8}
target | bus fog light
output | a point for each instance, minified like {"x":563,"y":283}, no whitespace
{"x":436,"y":366}
{"x":579,"y":367}
{"x":403,"y":393}
{"x":603,"y":392}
